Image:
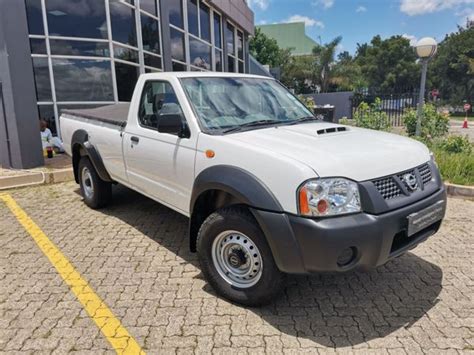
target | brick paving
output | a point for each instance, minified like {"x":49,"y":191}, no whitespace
{"x":135,"y":255}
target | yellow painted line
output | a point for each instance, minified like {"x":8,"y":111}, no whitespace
{"x":113,"y":330}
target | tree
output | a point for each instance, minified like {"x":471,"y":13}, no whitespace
{"x":266,"y":49}
{"x":452,"y":69}
{"x":389,"y":64}
{"x":324,"y":61}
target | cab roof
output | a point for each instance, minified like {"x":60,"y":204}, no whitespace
{"x":208,"y":74}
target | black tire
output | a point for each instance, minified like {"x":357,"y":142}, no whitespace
{"x":101,"y":190}
{"x":241,"y":220}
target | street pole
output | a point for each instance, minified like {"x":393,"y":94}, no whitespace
{"x":421,"y":98}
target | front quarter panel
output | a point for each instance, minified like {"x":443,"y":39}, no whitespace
{"x":279,"y":174}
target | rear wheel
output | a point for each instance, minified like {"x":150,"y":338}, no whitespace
{"x":236,"y":259}
{"x":95,"y":191}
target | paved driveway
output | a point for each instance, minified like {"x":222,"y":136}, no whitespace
{"x":135,"y":256}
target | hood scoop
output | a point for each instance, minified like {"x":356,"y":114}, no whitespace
{"x":331,"y":130}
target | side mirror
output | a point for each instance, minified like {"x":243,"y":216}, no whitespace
{"x":173,"y":124}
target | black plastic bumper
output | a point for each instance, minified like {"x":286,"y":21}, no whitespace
{"x":304,"y":245}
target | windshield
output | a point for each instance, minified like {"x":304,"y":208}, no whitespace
{"x":227,"y":104}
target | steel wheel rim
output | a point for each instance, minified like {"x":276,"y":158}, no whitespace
{"x":237,"y":259}
{"x":87,"y":185}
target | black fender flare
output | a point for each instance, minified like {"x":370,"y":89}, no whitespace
{"x":80,"y":142}
{"x":241,"y":184}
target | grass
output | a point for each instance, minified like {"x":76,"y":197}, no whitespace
{"x":461,"y":118}
{"x":457,"y":168}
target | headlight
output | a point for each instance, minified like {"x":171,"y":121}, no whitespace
{"x":328,"y":197}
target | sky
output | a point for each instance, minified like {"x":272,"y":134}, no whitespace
{"x":357,"y":21}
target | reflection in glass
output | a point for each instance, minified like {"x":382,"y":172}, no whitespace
{"x":217,"y":31}
{"x":149,"y":6}
{"x":175,"y":12}
{"x":152,"y":60}
{"x":240,"y":45}
{"x":81,"y":48}
{"x":35,"y":17}
{"x":178,"y":66}
{"x":229,"y":37}
{"x":193,"y":26}
{"x":127,"y":76}
{"x":123,"y":24}
{"x":38,"y":45}
{"x":125,"y":53}
{"x":200,"y":53}
{"x":218,"y":55}
{"x":231,"y":64}
{"x":46,"y":112}
{"x":150,"y":70}
{"x":82,"y":80}
{"x":177,"y":45}
{"x":150,"y":34}
{"x":42,"y":82}
{"x":204,"y":13}
{"x":241,"y":67}
{"x":76,"y":18}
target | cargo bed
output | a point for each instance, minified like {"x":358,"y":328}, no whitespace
{"x":116,"y":114}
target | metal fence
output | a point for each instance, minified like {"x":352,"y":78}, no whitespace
{"x":394,"y":105}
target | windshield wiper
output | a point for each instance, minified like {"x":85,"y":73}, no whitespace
{"x":303,"y":119}
{"x":252,"y":124}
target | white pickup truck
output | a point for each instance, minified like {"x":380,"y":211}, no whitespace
{"x":269,"y":190}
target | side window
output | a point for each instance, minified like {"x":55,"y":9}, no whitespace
{"x":158,"y":103}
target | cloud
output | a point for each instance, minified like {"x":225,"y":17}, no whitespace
{"x":324,"y":3}
{"x":411,"y":38}
{"x":421,"y":7}
{"x":262,"y":22}
{"x":261,"y":4}
{"x":361,"y":9}
{"x":309,"y":22}
{"x":466,"y":14}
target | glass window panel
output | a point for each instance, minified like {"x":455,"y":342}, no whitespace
{"x":175,"y":12}
{"x":240,"y":45}
{"x":46,"y":112}
{"x":178,"y":66}
{"x":123,"y":24}
{"x":35,"y":17}
{"x":42,"y":82}
{"x":152,"y":60}
{"x":200,"y":54}
{"x":125,"y":53}
{"x":38,"y":45}
{"x":127,"y":76}
{"x":76,"y":18}
{"x":205,"y":16}
{"x":149,"y":6}
{"x":150,"y":34}
{"x":229,"y":37}
{"x":218,"y":60}
{"x":217,"y":31}
{"x":82,"y":80}
{"x":193,"y":26}
{"x":231,"y":64}
{"x":151,"y":70}
{"x":177,"y":45}
{"x":241,"y":67}
{"x":84,"y":48}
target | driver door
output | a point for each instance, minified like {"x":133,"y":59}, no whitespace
{"x":160,"y":164}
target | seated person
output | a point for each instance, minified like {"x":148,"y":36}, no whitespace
{"x":47,"y":138}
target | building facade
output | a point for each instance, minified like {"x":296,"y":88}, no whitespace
{"x":88,"y":53}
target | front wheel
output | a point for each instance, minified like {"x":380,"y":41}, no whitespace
{"x":96,"y":192}
{"x":236,"y":259}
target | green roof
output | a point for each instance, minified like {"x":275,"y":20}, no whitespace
{"x":290,"y":35}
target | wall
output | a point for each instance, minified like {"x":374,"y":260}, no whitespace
{"x":340,"y":100}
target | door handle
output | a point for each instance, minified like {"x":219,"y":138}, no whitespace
{"x":134,"y":139}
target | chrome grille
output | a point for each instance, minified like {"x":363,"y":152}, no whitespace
{"x":425,"y":173}
{"x":387,"y":188}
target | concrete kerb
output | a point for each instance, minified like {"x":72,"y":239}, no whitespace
{"x":36,"y":178}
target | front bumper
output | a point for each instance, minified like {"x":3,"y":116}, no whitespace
{"x":304,"y":245}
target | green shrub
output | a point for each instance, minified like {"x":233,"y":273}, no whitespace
{"x":345,"y":121}
{"x":456,"y":144}
{"x":308,"y":101}
{"x":433,"y":123}
{"x":371,"y":116}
